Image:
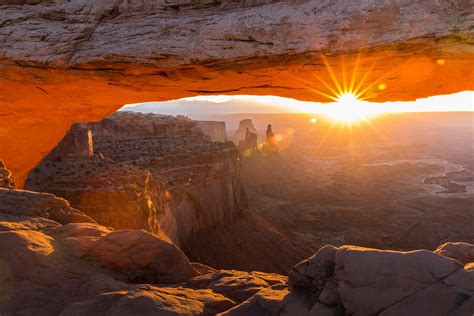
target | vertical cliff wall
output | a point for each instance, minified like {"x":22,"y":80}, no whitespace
{"x":158,"y":173}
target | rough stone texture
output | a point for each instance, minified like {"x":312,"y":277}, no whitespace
{"x":48,"y":268}
{"x":114,"y":194}
{"x":76,"y":144}
{"x":372,"y":281}
{"x":141,"y":256}
{"x":28,"y":203}
{"x":6,"y":179}
{"x":316,"y":270}
{"x":152,"y":300}
{"x":460,"y":251}
{"x":81,"y":59}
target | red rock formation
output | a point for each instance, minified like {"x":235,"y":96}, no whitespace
{"x":160,"y":174}
{"x":6,"y":179}
{"x":79,"y":268}
{"x":76,"y":144}
{"x":60,"y":61}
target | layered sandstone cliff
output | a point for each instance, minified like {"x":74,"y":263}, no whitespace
{"x":152,"y":172}
{"x":162,"y":174}
{"x":75,"y":60}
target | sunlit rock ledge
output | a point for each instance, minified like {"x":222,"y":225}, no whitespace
{"x":68,"y":61}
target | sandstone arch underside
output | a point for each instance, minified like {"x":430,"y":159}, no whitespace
{"x":79,"y":60}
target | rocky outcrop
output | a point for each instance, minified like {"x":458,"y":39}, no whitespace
{"x":215,"y":130}
{"x":114,"y":194}
{"x":159,"y":173}
{"x":367,"y":281}
{"x":140,"y":255}
{"x":61,"y":59}
{"x":49,"y":268}
{"x":6,"y":179}
{"x":460,"y":251}
{"x":28,"y":203}
{"x":270,"y":145}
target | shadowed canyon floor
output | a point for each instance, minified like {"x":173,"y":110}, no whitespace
{"x":403,"y":182}
{"x":105,"y":213}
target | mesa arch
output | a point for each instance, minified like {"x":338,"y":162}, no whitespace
{"x":79,"y":60}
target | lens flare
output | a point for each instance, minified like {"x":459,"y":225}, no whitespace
{"x":349,"y":109}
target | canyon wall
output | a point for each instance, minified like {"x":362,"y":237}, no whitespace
{"x":68,"y":61}
{"x":153,"y":172}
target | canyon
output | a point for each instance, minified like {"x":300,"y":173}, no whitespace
{"x":163,"y":174}
{"x":68,"y":61}
{"x":114,"y":213}
{"x":111,"y":248}
{"x":400,"y":182}
{"x":56,"y":260}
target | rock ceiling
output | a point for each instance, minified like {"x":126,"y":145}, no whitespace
{"x":79,"y":60}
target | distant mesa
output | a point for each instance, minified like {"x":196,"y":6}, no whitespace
{"x":146,"y":171}
{"x":241,"y":132}
{"x":248,"y":141}
{"x":249,"y":145}
{"x":76,"y":144}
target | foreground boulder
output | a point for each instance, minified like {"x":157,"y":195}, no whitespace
{"x":372,"y":281}
{"x":79,"y":268}
{"x":460,"y":251}
{"x":363,"y":281}
{"x":29,"y":203}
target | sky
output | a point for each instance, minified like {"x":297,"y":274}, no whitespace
{"x":346,"y":109}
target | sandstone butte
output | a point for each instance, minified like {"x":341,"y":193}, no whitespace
{"x":79,"y":60}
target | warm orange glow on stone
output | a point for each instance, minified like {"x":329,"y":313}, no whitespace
{"x":37,"y":105}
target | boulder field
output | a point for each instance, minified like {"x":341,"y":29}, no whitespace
{"x":54,"y":260}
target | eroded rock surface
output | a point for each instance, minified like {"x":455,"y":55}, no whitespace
{"x":72,"y":268}
{"x":6,"y":179}
{"x":153,"y":172}
{"x":162,"y":174}
{"x":81,"y":60}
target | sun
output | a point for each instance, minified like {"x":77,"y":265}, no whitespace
{"x":348,"y":109}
